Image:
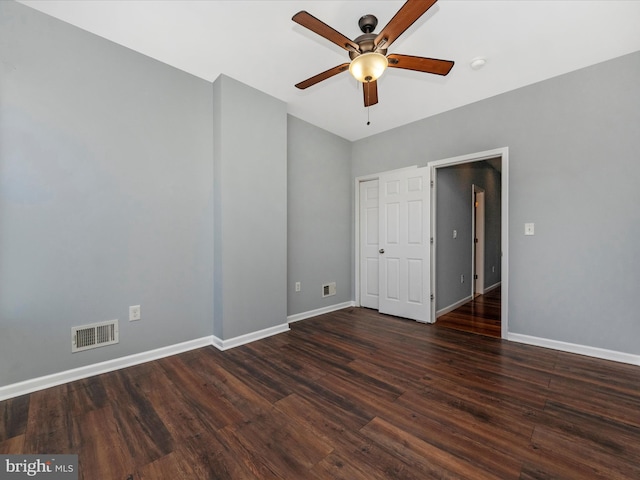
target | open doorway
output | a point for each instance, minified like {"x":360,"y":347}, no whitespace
{"x":470,"y":254}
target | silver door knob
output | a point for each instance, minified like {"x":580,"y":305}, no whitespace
{"x":381,"y":250}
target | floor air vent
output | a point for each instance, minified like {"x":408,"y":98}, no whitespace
{"x":94,"y":335}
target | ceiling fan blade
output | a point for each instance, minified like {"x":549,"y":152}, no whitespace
{"x":420,"y":64}
{"x":370,"y":90}
{"x":322,"y":76}
{"x":317,"y":26}
{"x":411,"y":11}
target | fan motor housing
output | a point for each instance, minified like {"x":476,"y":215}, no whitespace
{"x":366,"y":44}
{"x":367,"y":24}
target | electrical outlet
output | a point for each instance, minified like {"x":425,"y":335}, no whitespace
{"x":529,"y":229}
{"x":134,"y":313}
{"x":298,"y":287}
{"x":461,"y":278}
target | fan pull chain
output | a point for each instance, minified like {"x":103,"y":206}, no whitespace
{"x":368,"y":101}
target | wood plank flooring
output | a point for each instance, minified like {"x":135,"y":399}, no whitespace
{"x":480,"y":315}
{"x":348,"y":395}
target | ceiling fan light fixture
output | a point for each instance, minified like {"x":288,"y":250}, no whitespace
{"x":368,"y":67}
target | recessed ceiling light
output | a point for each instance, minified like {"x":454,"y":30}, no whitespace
{"x":478,"y":62}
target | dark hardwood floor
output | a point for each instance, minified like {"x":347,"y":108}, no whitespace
{"x":480,"y":315}
{"x":348,"y":395}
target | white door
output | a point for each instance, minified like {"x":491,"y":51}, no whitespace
{"x":404,"y":244}
{"x":478,"y":264}
{"x":369,"y":229}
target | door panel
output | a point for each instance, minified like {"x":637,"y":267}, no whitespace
{"x":392,"y":287}
{"x":391,"y":232}
{"x":369,"y":231}
{"x":415,"y":222}
{"x":415,"y":281}
{"x":372,"y":281}
{"x":404,"y":244}
{"x":371,"y":220}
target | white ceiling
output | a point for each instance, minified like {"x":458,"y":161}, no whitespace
{"x":256,"y":43}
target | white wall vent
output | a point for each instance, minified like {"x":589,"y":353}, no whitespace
{"x":94,"y":335}
{"x":329,"y":289}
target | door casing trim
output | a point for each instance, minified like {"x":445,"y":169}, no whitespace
{"x":503,"y":154}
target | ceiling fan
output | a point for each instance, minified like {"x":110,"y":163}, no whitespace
{"x":368,"y":52}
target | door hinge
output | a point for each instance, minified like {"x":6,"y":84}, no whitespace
{"x":432,"y":297}
{"x":431,"y":183}
{"x":475,"y":277}
{"x":431,"y":240}
{"x":475,"y":240}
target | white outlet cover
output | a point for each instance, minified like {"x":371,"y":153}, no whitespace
{"x":134,"y":313}
{"x":529,"y":229}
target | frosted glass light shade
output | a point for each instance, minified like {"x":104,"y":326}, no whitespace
{"x":368,"y":66}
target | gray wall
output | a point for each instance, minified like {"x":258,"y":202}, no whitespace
{"x":250,"y":221}
{"x":453,"y":203}
{"x":106,"y":167}
{"x":573,"y":149}
{"x":319,"y":218}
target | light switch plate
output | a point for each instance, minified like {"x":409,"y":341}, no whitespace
{"x":529,"y":229}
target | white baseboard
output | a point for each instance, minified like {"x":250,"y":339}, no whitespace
{"x":492,"y":287}
{"x":47,"y":381}
{"x":249,"y":337}
{"x":575,"y":348}
{"x":319,"y":311}
{"x":40,"y":383}
{"x":452,"y":307}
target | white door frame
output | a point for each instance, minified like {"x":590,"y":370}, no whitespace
{"x":358,"y":181}
{"x":503,"y":154}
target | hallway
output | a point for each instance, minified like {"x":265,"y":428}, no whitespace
{"x":480,"y":315}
